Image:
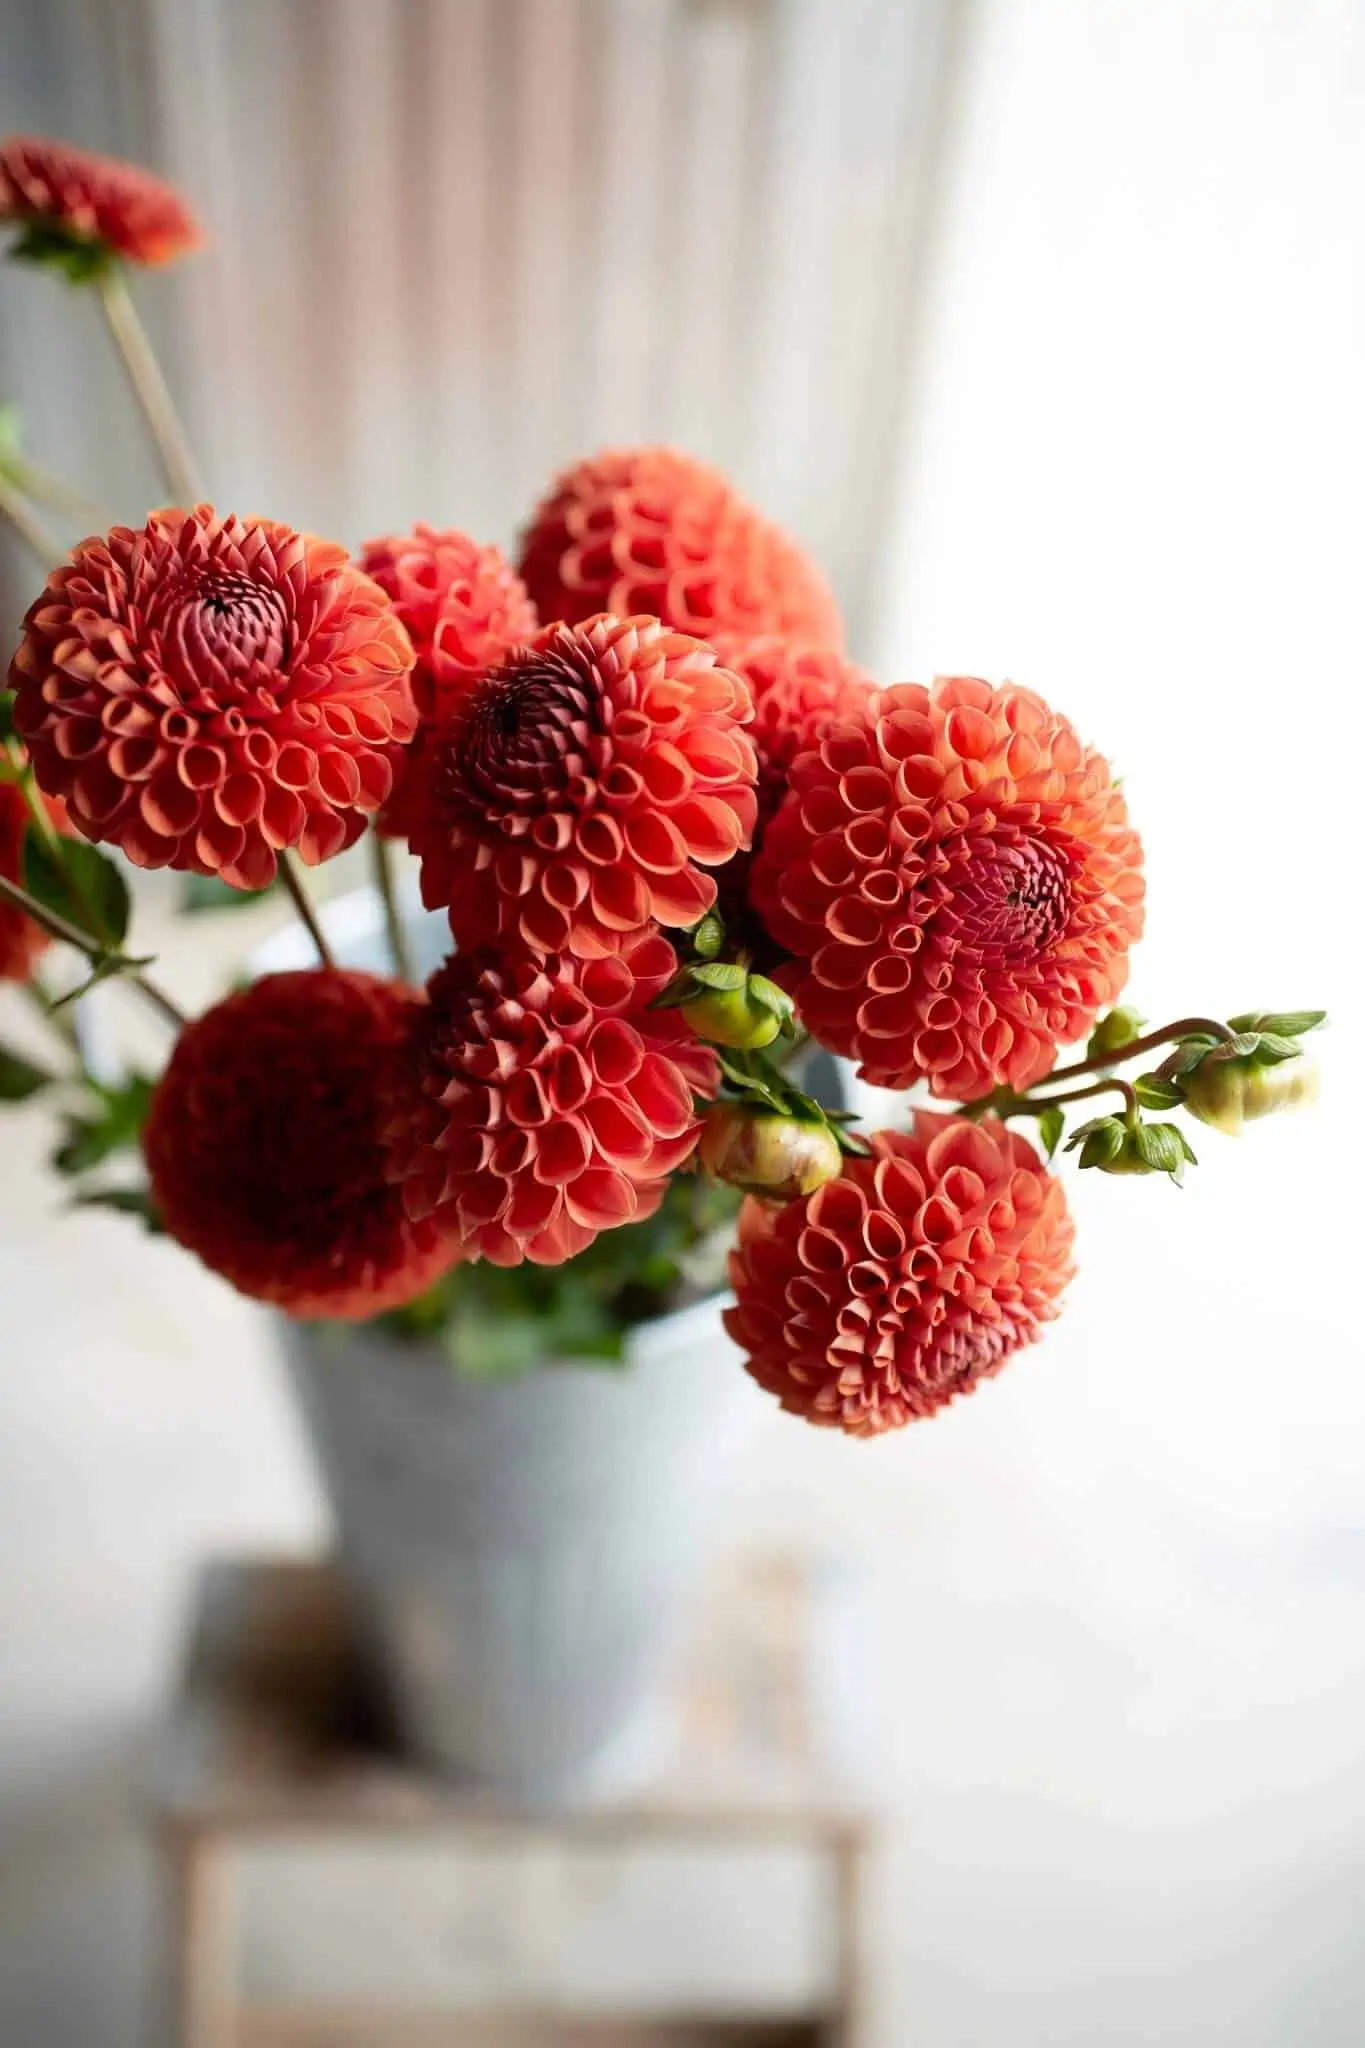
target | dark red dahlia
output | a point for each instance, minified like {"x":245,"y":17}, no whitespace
{"x":959,"y":883}
{"x":581,"y":788}
{"x":652,"y":530}
{"x":553,"y":1104}
{"x":266,"y":1152}
{"x":906,"y":1281}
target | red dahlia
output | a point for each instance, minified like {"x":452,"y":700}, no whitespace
{"x":265,"y":1145}
{"x":903,"y":1283}
{"x":652,"y":530}
{"x":89,"y":199}
{"x":958,"y":879}
{"x":571,"y":794}
{"x":211,"y":690}
{"x":554,"y":1103}
{"x":21,"y":940}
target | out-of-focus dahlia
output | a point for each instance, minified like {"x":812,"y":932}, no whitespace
{"x":652,"y":530}
{"x":463,"y":606}
{"x":21,"y":940}
{"x":905,"y":1281}
{"x":92,"y":200}
{"x":958,"y":879}
{"x":574,"y":790}
{"x":553,"y":1102}
{"x":798,"y":690}
{"x":208,"y":691}
{"x":265,"y":1145}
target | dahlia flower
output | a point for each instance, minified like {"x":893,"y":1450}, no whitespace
{"x":959,"y":883}
{"x":462,"y":605}
{"x":264,"y":1143}
{"x":798,"y":690}
{"x":652,"y":530}
{"x":21,"y":940}
{"x":905,"y":1281}
{"x":553,"y":1103}
{"x":93,"y":202}
{"x":210,"y":690}
{"x":579,"y":788}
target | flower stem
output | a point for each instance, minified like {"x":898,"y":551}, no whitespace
{"x":57,"y":927}
{"x":149,"y":386}
{"x":32,"y":530}
{"x":289,"y":875}
{"x":59,"y":496}
{"x":1130,"y":1101}
{"x":59,"y":1020}
{"x":381,"y":858}
{"x":1184,"y":1027}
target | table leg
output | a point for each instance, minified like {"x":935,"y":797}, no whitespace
{"x":202,"y":1936}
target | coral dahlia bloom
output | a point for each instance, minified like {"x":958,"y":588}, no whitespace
{"x":208,"y":691}
{"x":958,"y":879}
{"x":578,"y":790}
{"x":94,"y":199}
{"x":904,"y":1282}
{"x":265,"y":1145}
{"x":652,"y":530}
{"x":21,"y":940}
{"x":553,"y":1103}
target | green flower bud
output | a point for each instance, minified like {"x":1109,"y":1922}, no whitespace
{"x":732,"y":1017}
{"x":1119,"y":1028}
{"x":766,"y":1153}
{"x":1228,"y":1090}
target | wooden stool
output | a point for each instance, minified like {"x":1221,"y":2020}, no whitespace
{"x":269,"y":1739}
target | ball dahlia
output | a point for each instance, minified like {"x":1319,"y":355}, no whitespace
{"x":553,"y":1102}
{"x":578,"y":790}
{"x":463,"y":606}
{"x":265,"y":1145}
{"x":904,"y":1282}
{"x":21,"y":940}
{"x":208,"y":691}
{"x":959,"y":883}
{"x":652,"y":530}
{"x":92,"y":200}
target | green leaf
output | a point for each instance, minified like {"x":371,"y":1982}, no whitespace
{"x":1240,"y":1047}
{"x":1154,"y":1092}
{"x":1284,"y":1023}
{"x":708,"y":938}
{"x":1271,"y":1048}
{"x":1099,"y":1141}
{"x":19,"y":1078}
{"x":126,"y":1201}
{"x":209,"y":892}
{"x":78,"y":258}
{"x":771,"y":996}
{"x":1118,"y":1028}
{"x":1189,"y":1053}
{"x":7,"y":731}
{"x":80,"y":883}
{"x":1051,"y":1124}
{"x":113,"y":1125}
{"x":722,"y":975}
{"x":1162,"y":1147}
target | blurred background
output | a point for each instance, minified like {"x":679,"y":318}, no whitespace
{"x":1043,"y":324}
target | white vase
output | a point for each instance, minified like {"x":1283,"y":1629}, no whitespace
{"x":522,"y":1552}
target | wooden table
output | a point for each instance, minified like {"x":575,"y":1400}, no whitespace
{"x":270,"y":1735}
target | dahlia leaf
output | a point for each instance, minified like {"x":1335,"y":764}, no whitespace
{"x":1051,"y":1124}
{"x":1284,"y":1023}
{"x":1154,"y":1092}
{"x":1161,"y":1147}
{"x":208,"y":892}
{"x":722,"y":975}
{"x":115,"y":1125}
{"x":19,"y":1078}
{"x":7,"y":731}
{"x":127,"y":1201}
{"x":708,"y":937}
{"x":78,"y":258}
{"x":1272,"y":1048}
{"x":771,"y":996}
{"x":80,"y":883}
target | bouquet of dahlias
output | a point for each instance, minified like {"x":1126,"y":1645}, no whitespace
{"x":677,"y":833}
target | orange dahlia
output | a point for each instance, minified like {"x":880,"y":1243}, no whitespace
{"x":652,"y":530}
{"x":959,"y":883}
{"x":93,"y":202}
{"x":905,"y":1281}
{"x":211,"y":690}
{"x":553,"y":1102}
{"x":572,"y":792}
{"x":265,"y":1145}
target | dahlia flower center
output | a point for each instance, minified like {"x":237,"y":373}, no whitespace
{"x":527,"y":735}
{"x":223,"y":628}
{"x":1010,"y":898}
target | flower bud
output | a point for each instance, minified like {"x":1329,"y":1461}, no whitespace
{"x":766,"y":1153}
{"x":1118,"y":1028}
{"x":1228,"y":1092}
{"x":732,"y":1016}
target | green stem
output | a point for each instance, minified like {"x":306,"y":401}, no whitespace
{"x":381,"y":860}
{"x":59,"y":1020}
{"x":1035,"y":1104}
{"x":59,"y":496}
{"x":1185,"y":1027}
{"x":150,"y":389}
{"x":26,"y":523}
{"x":99,"y":955}
{"x":289,"y":875}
